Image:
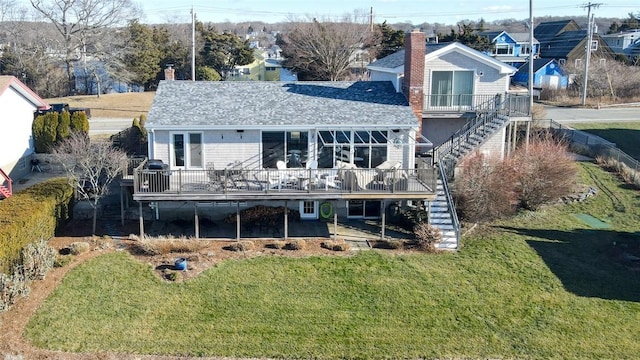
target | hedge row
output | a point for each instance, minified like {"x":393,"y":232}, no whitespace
{"x":31,"y":215}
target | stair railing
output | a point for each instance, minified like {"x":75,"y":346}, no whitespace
{"x":442,"y":168}
{"x":9,"y":181}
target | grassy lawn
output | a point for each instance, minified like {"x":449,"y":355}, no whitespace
{"x":624,"y":134}
{"x":538,"y":286}
{"x":124,"y":105}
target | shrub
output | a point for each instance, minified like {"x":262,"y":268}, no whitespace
{"x":427,"y":236}
{"x":80,"y":122}
{"x":336,"y":245}
{"x":240,"y":246}
{"x":295,"y":245}
{"x":484,"y":190}
{"x":544,"y":172}
{"x":37,"y":260}
{"x":62,"y":260}
{"x":12,"y":287}
{"x":78,"y":248}
{"x":45,"y":129}
{"x":278,"y":244}
{"x":31,"y":215}
{"x":389,"y":244}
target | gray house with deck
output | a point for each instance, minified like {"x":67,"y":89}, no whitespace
{"x":326,"y":149}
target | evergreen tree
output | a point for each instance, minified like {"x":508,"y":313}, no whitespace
{"x":391,"y":40}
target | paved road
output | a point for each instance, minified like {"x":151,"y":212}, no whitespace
{"x":565,"y":115}
{"x":102,"y":126}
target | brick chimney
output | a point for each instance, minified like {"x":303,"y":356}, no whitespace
{"x":169,"y":72}
{"x":413,"y":81}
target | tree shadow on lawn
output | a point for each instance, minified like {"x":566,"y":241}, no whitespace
{"x":591,"y":263}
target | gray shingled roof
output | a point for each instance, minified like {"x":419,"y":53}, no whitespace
{"x":264,"y":103}
{"x":397,"y":58}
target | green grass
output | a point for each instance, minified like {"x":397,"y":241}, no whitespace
{"x":624,"y":134}
{"x":539,"y":286}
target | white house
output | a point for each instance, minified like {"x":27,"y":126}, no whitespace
{"x":17,"y":105}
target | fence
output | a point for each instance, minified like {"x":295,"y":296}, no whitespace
{"x":594,"y":146}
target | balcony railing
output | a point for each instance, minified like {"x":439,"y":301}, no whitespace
{"x":476,"y":103}
{"x":274,"y":182}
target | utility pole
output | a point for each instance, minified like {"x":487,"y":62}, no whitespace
{"x":587,"y":53}
{"x":371,"y":19}
{"x":531,"y":77}
{"x":193,"y":45}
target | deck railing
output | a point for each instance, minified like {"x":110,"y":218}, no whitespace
{"x":506,"y":103}
{"x":8,"y":180}
{"x":266,"y":181}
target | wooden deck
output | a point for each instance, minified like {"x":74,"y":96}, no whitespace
{"x":288,"y":184}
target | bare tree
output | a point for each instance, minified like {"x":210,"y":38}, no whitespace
{"x":90,"y":167}
{"x":80,"y":23}
{"x":324,"y":50}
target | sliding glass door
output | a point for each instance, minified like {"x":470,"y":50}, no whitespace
{"x":451,"y":88}
{"x":186,"y":150}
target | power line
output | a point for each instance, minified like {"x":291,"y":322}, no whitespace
{"x":588,"y":48}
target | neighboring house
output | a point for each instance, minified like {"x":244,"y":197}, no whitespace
{"x":566,"y":42}
{"x":17,"y":105}
{"x":326,"y":149}
{"x":264,"y":68}
{"x":547,"y":73}
{"x":453,"y":81}
{"x":625,"y":43}
{"x":512,"y":48}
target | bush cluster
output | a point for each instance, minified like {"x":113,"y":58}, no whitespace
{"x":295,"y":245}
{"x":50,"y":128}
{"x":31,"y":215}
{"x":488,"y":188}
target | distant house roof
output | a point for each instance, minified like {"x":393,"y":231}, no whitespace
{"x":396,"y":60}
{"x":562,"y":44}
{"x":256,"y":104}
{"x":547,"y":30}
{"x":7,"y":81}
{"x":517,"y":37}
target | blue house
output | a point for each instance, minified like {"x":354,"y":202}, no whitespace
{"x":511,"y":48}
{"x":547,"y":73}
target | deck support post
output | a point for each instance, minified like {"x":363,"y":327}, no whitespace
{"x":335,"y":220}
{"x":238,"y":221}
{"x":196,"y":221}
{"x":382,"y":204}
{"x":141,"y":220}
{"x":121,"y":206}
{"x":286,"y":220}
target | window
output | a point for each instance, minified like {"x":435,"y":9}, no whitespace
{"x":562,"y":62}
{"x":451,"y":88}
{"x":503,"y":49}
{"x":578,"y":62}
{"x":525,"y":50}
{"x":594,"y":45}
{"x":365,"y":149}
{"x":187,"y":150}
{"x":603,"y":61}
{"x":270,"y":68}
{"x":288,"y":146}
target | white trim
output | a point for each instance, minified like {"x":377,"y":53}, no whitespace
{"x":477,"y":55}
{"x":309,"y":216}
{"x":186,"y":142}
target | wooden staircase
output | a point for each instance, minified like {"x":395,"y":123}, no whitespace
{"x":490,"y":118}
{"x":5,"y":190}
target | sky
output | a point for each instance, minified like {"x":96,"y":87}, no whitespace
{"x":393,"y":11}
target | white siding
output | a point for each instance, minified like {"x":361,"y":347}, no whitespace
{"x":494,"y":146}
{"x":15,"y":138}
{"x":490,"y":83}
{"x":385,"y":76}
